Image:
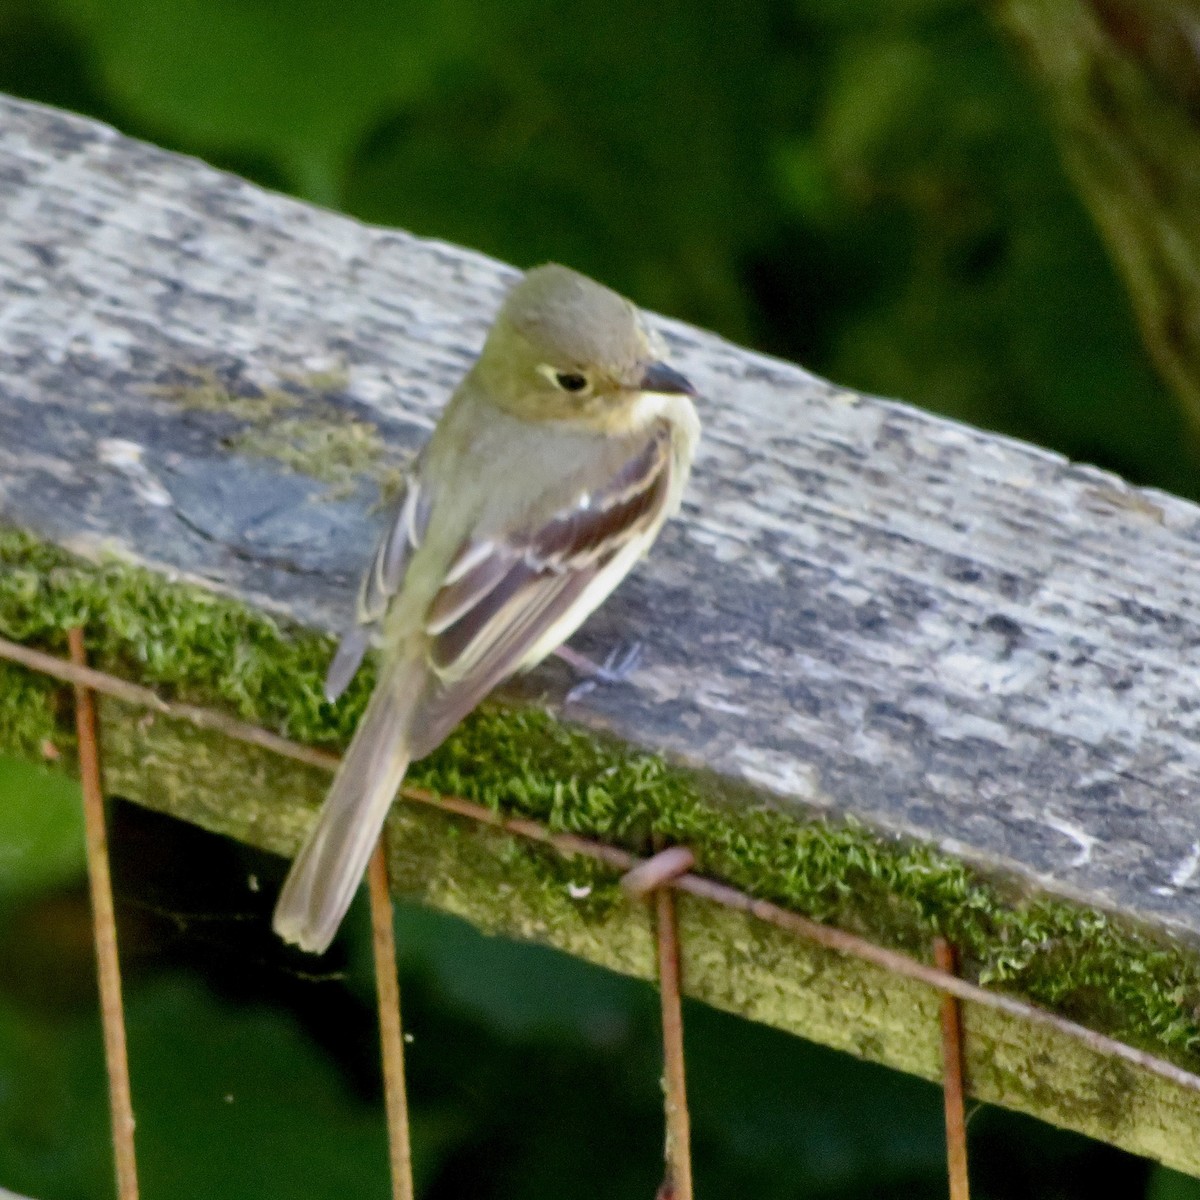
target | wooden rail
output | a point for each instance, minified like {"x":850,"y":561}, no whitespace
{"x":962,"y":643}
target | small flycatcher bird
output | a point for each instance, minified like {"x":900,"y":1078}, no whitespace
{"x":551,"y":471}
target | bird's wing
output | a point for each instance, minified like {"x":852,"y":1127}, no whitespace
{"x":507,"y":601}
{"x":382,"y":580}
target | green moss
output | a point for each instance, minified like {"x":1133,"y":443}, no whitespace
{"x":28,"y":712}
{"x":188,"y":643}
{"x":1083,"y":963}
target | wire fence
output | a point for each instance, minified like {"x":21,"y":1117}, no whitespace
{"x":653,"y":880}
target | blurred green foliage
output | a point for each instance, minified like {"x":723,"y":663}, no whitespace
{"x":871,"y":189}
{"x":41,"y":830}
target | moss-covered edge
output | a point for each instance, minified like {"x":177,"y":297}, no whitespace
{"x":208,"y":649}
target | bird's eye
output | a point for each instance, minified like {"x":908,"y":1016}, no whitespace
{"x":574,"y":382}
{"x":571,"y":381}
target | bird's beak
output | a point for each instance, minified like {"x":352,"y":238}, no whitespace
{"x":658,"y":377}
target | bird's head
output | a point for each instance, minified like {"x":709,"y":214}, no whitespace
{"x":564,"y":347}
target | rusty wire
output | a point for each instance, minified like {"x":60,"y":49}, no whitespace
{"x":953,"y":1085}
{"x":679,"y":1130}
{"x":623,"y":861}
{"x":656,"y":874}
{"x":104,"y":927}
{"x":391,"y":1033}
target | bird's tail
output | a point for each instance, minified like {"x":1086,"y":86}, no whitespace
{"x":331,"y":863}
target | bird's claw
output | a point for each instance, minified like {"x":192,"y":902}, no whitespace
{"x":621,"y":662}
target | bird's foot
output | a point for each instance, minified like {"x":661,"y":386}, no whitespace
{"x":616,"y":668}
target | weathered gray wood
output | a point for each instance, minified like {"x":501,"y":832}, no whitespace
{"x":863,"y":609}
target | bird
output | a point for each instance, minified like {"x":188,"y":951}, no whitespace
{"x":549,"y":474}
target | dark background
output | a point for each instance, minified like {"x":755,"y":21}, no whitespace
{"x":871,"y":189}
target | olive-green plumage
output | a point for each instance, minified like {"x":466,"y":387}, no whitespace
{"x":548,"y":476}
